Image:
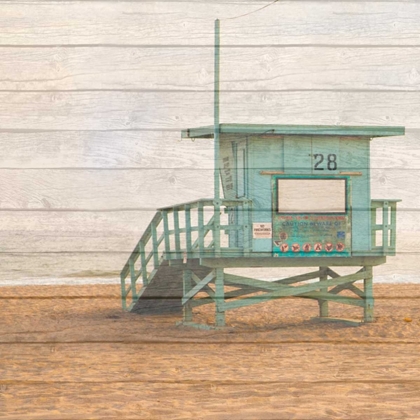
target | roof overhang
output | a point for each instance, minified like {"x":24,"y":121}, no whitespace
{"x":290,"y":130}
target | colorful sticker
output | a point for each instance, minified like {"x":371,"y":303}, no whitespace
{"x":262,"y":230}
{"x":318,"y":247}
{"x":339,"y":247}
{"x":307,"y":247}
{"x":341,"y":234}
{"x":284,"y":247}
{"x":295,"y":247}
{"x":329,"y":247}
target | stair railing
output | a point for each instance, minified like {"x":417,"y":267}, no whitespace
{"x":141,"y":257}
{"x":181,"y":241}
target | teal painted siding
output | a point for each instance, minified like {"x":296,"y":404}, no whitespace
{"x":325,"y":155}
{"x":227,"y":166}
{"x":265,"y":154}
{"x":296,"y":155}
{"x":354,"y":156}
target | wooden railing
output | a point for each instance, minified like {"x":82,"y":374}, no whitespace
{"x":146,"y":257}
{"x":185,"y":231}
{"x":202,"y":228}
{"x":384,"y":230}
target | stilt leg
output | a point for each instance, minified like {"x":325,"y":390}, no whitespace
{"x":187,"y":309}
{"x":323,"y":304}
{"x":368,"y":291}
{"x":220,"y":298}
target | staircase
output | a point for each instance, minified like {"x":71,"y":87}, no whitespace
{"x":176,"y":236}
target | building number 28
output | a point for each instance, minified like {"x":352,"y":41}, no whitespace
{"x":320,"y":162}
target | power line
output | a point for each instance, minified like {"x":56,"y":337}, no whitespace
{"x":254,"y":11}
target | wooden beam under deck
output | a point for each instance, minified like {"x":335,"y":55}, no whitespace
{"x":309,"y":289}
{"x":269,"y":261}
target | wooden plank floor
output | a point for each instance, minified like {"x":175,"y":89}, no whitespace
{"x":69,"y":352}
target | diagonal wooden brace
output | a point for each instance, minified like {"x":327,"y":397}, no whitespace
{"x":206,"y":288}
{"x":333,"y":298}
{"x":300,"y":277}
{"x":258,"y":285}
{"x":347,"y":286}
{"x":356,"y":291}
{"x":332,"y":273}
{"x":199,"y":286}
{"x":261,"y":285}
{"x":284,"y":291}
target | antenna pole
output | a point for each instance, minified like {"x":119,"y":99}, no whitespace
{"x":217,"y":203}
{"x":216,"y":108}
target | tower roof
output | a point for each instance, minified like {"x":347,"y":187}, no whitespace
{"x":281,"y":130}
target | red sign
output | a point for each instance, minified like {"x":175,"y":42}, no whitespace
{"x":339,"y":247}
{"x":284,"y":247}
{"x":307,"y":247}
{"x":318,"y":247}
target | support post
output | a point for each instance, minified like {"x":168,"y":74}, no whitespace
{"x":201,"y":227}
{"x":166,"y":231}
{"x":188,"y":230}
{"x":187,"y":286}
{"x":220,"y":298}
{"x":216,"y":229}
{"x":177,"y":235}
{"x":385,"y":226}
{"x":323,"y":304}
{"x":368,"y":294}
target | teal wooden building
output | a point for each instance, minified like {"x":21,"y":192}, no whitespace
{"x":292,"y":196}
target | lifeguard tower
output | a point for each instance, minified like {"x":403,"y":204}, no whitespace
{"x":292,"y":196}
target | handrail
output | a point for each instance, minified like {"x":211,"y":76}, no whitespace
{"x":177,"y":241}
{"x":387,"y":226}
{"x":207,"y":202}
{"x":193,"y":248}
{"x":197,"y":247}
{"x":143,"y":239}
{"x":139,"y":251}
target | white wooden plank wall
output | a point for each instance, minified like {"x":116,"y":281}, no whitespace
{"x":93,"y":95}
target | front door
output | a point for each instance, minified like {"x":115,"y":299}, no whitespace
{"x":311,"y":216}
{"x":241,"y":185}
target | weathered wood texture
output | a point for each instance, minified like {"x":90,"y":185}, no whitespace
{"x":143,"y":149}
{"x":191,"y":22}
{"x":70,"y":353}
{"x":157,"y":110}
{"x":93,"y":96}
{"x":113,"y":231}
{"x":256,"y":69}
{"x":139,"y":188}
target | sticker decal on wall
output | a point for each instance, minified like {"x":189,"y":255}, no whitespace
{"x":341,"y":234}
{"x":295,"y":247}
{"x":307,"y":247}
{"x":339,"y":247}
{"x":329,"y":247}
{"x":318,"y":247}
{"x":262,"y":230}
